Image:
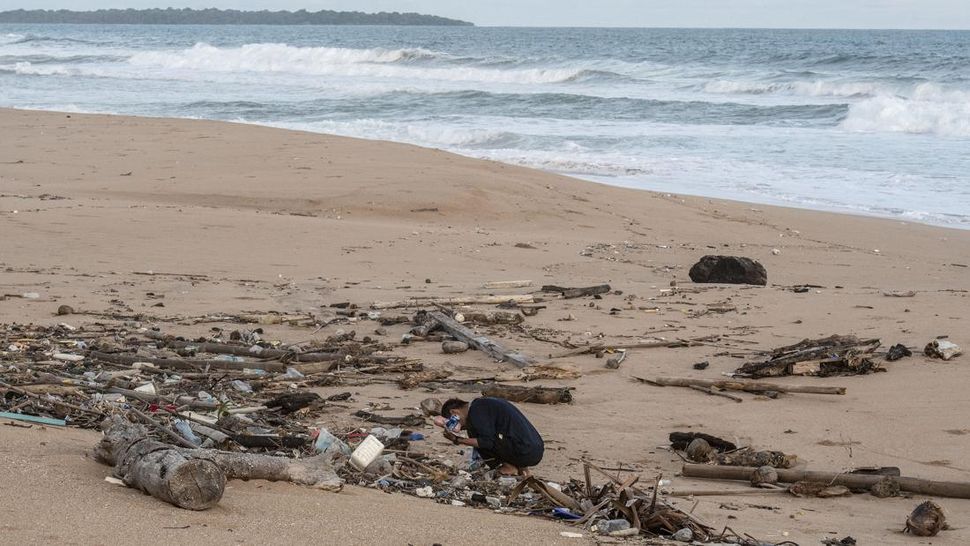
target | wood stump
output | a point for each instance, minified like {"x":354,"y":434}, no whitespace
{"x":195,"y":479}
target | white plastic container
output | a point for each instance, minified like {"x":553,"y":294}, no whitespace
{"x":368,"y":450}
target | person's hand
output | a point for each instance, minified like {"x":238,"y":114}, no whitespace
{"x":440,"y":421}
{"x":451,"y":436}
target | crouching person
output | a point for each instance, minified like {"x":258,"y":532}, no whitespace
{"x":504,"y":438}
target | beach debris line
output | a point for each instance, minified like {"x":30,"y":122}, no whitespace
{"x":728,"y":270}
{"x":835,"y":355}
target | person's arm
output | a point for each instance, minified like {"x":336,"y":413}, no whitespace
{"x":483,"y":423}
{"x":458,"y":440}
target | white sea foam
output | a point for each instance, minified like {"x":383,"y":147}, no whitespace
{"x":927,"y":110}
{"x":817,"y":88}
{"x":27,"y":69}
{"x":424,"y":134}
{"x":327,"y":61}
{"x":11,"y":38}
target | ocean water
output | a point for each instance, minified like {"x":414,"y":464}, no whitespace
{"x":867,"y":122}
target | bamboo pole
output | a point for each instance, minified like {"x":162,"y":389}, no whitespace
{"x":959,"y":490}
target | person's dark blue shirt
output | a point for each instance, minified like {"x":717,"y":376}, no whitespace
{"x":500,"y":426}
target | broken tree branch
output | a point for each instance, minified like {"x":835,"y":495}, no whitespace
{"x":651,"y":344}
{"x":736,"y":385}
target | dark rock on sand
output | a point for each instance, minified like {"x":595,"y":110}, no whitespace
{"x":729,"y":270}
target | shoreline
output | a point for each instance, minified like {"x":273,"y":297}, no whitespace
{"x":238,"y":218}
{"x":595,"y":179}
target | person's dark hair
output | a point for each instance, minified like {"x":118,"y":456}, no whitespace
{"x":452,"y":404}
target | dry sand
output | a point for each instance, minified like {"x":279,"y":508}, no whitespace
{"x":288,"y":221}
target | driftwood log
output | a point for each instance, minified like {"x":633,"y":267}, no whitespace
{"x":569,"y":293}
{"x":650,"y":344}
{"x":960,"y":490}
{"x":195,"y":479}
{"x":412,"y":420}
{"x":738,"y":385}
{"x":482,"y":343}
{"x":534,"y":395}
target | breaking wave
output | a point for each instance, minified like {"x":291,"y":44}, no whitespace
{"x":11,"y":38}
{"x":928,"y":110}
{"x":323,"y":61}
{"x":804,"y":88}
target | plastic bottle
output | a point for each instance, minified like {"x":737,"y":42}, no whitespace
{"x":471,"y":460}
{"x":241,"y":386}
{"x":327,"y":442}
{"x":610,"y":525}
{"x":185,"y":430}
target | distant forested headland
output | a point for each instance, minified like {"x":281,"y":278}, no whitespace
{"x":172,"y":16}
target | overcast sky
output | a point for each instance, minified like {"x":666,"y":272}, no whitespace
{"x":630,"y":13}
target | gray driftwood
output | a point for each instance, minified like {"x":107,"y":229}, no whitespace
{"x":737,"y":385}
{"x":960,"y":490}
{"x":482,"y":343}
{"x":195,"y":479}
{"x":534,"y":395}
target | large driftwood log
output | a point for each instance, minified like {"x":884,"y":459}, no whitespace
{"x":195,"y":479}
{"x":534,"y":395}
{"x":570,"y":293}
{"x":736,"y":385}
{"x":482,"y":343}
{"x":960,"y":490}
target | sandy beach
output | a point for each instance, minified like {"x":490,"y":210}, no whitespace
{"x":234,"y":218}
